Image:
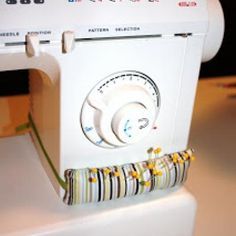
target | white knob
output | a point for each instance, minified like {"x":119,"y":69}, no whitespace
{"x":131,"y":123}
{"x":125,"y":104}
{"x":120,"y":110}
{"x":68,"y":41}
{"x":32,"y":45}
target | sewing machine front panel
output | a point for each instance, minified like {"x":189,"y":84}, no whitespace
{"x":69,"y":78}
{"x":162,"y":59}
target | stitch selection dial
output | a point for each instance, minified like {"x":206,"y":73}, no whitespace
{"x":121,"y":109}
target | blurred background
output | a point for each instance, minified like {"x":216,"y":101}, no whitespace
{"x":223,"y":64}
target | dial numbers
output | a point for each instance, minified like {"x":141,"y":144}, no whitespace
{"x":118,"y":106}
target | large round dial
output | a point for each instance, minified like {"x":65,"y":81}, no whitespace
{"x":121,"y":109}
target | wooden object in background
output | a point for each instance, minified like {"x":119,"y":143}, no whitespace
{"x":13,"y":112}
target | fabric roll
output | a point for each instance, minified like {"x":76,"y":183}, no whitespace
{"x":112,"y":182}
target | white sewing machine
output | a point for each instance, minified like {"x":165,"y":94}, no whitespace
{"x":109,"y":79}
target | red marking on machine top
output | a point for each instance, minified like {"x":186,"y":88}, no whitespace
{"x":188,"y":4}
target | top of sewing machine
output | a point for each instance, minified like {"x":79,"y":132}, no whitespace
{"x":107,"y":18}
{"x":100,"y":18}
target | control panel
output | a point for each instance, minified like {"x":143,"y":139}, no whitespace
{"x":120,"y":110}
{"x":111,"y":18}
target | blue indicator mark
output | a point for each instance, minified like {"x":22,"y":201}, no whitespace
{"x":87,"y":129}
{"x":127,"y":128}
{"x":99,"y":142}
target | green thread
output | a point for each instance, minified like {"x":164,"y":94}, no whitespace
{"x":59,"y":179}
{"x":141,"y":171}
{"x":22,"y":127}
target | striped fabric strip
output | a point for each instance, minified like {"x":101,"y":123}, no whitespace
{"x":101,"y":184}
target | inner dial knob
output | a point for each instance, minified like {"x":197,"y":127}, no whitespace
{"x":131,"y":123}
{"x":120,"y":110}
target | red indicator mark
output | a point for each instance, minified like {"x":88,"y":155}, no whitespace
{"x":187,"y":4}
